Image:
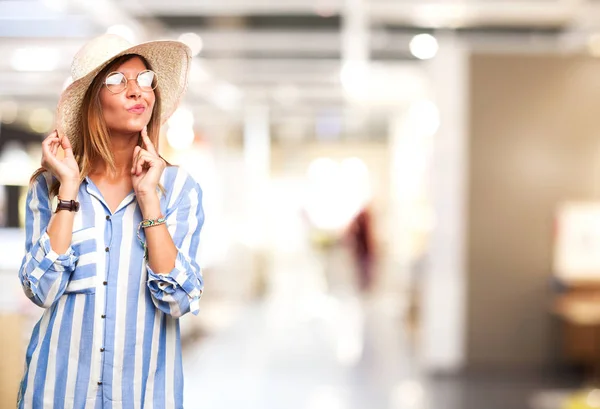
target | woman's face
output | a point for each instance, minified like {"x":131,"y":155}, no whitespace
{"x":130,"y":110}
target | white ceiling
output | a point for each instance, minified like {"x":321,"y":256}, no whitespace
{"x":286,"y":54}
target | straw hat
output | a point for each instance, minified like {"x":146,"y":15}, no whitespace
{"x":169,"y":59}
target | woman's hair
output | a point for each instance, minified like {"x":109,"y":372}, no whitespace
{"x":95,"y":138}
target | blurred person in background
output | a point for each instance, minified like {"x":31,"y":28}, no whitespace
{"x":113,"y":262}
{"x":360,"y":238}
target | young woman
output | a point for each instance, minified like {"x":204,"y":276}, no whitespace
{"x":112,"y":235}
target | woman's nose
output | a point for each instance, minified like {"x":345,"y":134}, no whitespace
{"x":133,"y":89}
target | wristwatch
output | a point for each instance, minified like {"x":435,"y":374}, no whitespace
{"x":70,"y":205}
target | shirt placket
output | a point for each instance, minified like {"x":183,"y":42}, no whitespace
{"x":106,"y":313}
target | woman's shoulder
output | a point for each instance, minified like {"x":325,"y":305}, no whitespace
{"x":42,"y":179}
{"x":179,"y":181}
{"x":40,"y":186}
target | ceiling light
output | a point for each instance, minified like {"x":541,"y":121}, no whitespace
{"x":424,"y":46}
{"x":192,"y":40}
{"x":41,"y":120}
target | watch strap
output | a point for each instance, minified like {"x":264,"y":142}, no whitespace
{"x":70,"y":205}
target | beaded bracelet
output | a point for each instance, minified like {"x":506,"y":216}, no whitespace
{"x":148,"y":223}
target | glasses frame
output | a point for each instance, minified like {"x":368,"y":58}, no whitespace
{"x":155,"y":81}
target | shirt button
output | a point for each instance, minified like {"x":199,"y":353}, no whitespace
{"x":107,"y":217}
{"x":103,"y":316}
{"x":100,"y":383}
{"x":101,"y":349}
{"x":105,"y":282}
{"x":106,"y":249}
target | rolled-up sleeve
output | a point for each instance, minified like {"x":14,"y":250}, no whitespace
{"x":179,"y":292}
{"x":44,"y":274}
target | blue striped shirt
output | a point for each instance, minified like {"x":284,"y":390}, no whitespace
{"x":109,"y":335}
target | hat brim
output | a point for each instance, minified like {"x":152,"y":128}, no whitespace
{"x":170,"y":60}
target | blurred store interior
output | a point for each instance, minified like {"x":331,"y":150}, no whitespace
{"x":402,"y":197}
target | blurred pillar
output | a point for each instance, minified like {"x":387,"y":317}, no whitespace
{"x":257,"y":159}
{"x":444,"y":289}
{"x":355,"y":32}
{"x":354,"y":73}
{"x":257,"y":144}
{"x":410,"y":154}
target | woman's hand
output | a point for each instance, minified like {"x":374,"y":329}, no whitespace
{"x":66,"y":169}
{"x":147,"y":168}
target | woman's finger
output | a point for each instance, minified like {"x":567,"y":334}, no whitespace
{"x":147,"y":142}
{"x":49,"y":149}
{"x":146,"y":160}
{"x":51,"y":135}
{"x":65,"y":143}
{"x":47,"y":145}
{"x":49,"y":160}
{"x":142,"y":160}
{"x":139,"y":152}
{"x":136,"y":151}
{"x":49,"y":142}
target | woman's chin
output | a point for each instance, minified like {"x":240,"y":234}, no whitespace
{"x":134,"y":127}
{"x":130,"y":127}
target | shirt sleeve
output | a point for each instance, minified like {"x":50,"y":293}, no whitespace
{"x":44,"y":274}
{"x":179,"y":292}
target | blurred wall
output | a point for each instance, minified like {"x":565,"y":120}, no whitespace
{"x":534,"y":142}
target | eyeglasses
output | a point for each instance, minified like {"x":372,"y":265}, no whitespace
{"x":117,"y":82}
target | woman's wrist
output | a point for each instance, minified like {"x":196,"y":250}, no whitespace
{"x":68,"y":191}
{"x":150,"y":207}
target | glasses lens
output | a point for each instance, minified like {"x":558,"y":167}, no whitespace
{"x":147,"y":80}
{"x":116,"y":82}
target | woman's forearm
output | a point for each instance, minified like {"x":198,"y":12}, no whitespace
{"x":161,"y":249}
{"x":60,"y":227}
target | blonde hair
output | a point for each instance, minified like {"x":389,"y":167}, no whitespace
{"x":95,"y":139}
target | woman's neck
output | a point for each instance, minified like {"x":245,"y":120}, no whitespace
{"x":122,"y":150}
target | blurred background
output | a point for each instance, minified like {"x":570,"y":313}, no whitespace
{"x":402,"y":197}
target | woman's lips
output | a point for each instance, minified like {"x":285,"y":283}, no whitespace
{"x":137,"y":109}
